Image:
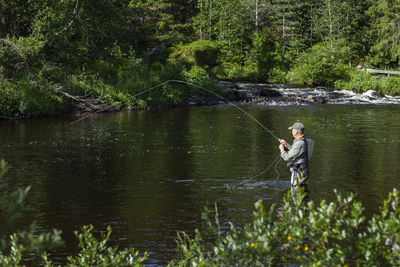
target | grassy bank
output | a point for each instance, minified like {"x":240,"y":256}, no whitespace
{"x":114,"y":83}
{"x":34,"y":96}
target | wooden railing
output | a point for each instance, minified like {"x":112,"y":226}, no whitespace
{"x":388,"y":72}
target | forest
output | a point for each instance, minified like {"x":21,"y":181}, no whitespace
{"x":147,"y":172}
{"x":57,"y":56}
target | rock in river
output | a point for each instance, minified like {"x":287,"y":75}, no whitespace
{"x":372,"y":94}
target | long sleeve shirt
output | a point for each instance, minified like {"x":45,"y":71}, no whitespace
{"x":295,"y":151}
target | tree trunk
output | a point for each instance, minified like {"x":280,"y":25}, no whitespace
{"x":330,"y":25}
{"x":256,"y":15}
{"x":283,"y":36}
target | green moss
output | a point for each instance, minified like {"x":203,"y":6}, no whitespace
{"x":202,"y":53}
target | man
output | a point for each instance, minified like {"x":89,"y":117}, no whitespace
{"x":298,"y":154}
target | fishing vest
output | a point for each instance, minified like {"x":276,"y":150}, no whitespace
{"x":301,"y":163}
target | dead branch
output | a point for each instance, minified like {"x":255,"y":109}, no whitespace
{"x":86,"y":104}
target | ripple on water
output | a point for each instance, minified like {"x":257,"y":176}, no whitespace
{"x":274,"y":185}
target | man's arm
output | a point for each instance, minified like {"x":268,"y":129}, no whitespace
{"x":293,"y":152}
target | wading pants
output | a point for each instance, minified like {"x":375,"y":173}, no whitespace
{"x":298,"y":177}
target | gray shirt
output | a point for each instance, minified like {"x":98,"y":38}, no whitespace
{"x":296,"y":150}
{"x":296,"y":154}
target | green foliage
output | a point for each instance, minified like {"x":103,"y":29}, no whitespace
{"x":28,"y":99}
{"x":322,"y":65}
{"x":277,"y":75}
{"x":197,"y":75}
{"x":236,"y":71}
{"x":385,"y":31}
{"x":328,"y":234}
{"x":18,"y":55}
{"x":12,"y":208}
{"x":202,"y":53}
{"x":10,"y":100}
{"x":122,"y":47}
{"x":228,"y":22}
{"x":97,"y":253}
{"x":382,"y":240}
{"x":97,"y":89}
{"x":264,"y":52}
{"x":361,"y":81}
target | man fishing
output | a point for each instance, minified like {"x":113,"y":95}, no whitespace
{"x":297,"y":155}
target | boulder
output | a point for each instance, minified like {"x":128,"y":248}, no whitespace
{"x":310,"y":99}
{"x":372,"y":94}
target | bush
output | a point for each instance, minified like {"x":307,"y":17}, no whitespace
{"x":264,"y":52}
{"x":14,"y":245}
{"x":19,"y":55}
{"x":10,"y":100}
{"x":330,"y":234}
{"x":321,"y":65}
{"x":203,"y":53}
{"x":361,"y":81}
{"x":277,"y":75}
{"x":199,"y":76}
{"x":97,"y":253}
{"x":236,"y":71}
{"x":28,"y":99}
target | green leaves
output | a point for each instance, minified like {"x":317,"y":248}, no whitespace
{"x":12,"y":245}
{"x":97,"y":253}
{"x":385,"y":32}
{"x":330,"y":234}
{"x":322,"y":65}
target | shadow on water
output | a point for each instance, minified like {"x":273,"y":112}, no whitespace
{"x":149,"y":174}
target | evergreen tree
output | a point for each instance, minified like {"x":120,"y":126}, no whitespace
{"x":228,"y":22}
{"x":341,"y":20}
{"x":293,"y":26}
{"x":385,"y":50}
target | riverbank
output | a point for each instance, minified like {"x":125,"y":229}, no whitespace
{"x":25,"y":100}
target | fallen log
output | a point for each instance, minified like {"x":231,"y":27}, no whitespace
{"x":86,"y":104}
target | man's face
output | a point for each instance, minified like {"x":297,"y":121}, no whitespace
{"x":294,"y":132}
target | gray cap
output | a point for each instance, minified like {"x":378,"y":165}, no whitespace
{"x":297,"y":126}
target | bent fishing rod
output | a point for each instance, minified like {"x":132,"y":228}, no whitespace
{"x":196,"y":86}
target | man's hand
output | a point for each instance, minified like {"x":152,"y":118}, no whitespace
{"x":283,"y":142}
{"x":281,"y":146}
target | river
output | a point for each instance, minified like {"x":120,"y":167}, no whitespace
{"x":149,"y":174}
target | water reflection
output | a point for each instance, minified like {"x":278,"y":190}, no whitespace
{"x":149,"y":174}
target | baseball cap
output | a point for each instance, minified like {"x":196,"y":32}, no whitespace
{"x":298,"y":126}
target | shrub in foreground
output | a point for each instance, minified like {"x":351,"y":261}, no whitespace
{"x":328,"y":234}
{"x":98,"y":253}
{"x":298,"y":232}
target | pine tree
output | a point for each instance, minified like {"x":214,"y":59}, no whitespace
{"x":341,"y":22}
{"x":386,"y":31}
{"x":293,"y":26}
{"x":228,"y":22}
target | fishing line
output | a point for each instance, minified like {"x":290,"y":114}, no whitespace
{"x":196,"y":86}
{"x":276,"y":161}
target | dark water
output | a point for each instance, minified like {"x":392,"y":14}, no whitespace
{"x":149,"y":174}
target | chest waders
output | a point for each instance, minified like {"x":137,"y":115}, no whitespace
{"x":299,"y":168}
